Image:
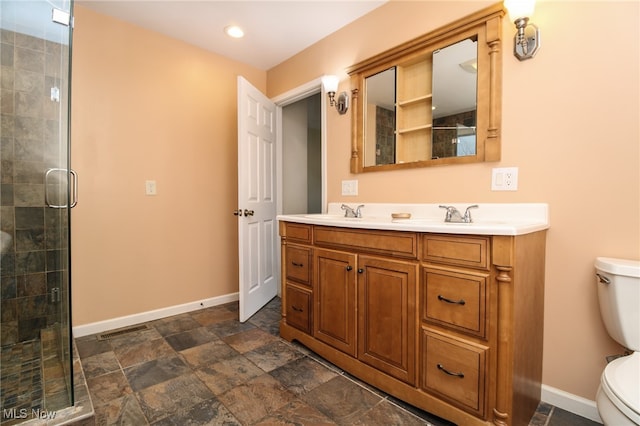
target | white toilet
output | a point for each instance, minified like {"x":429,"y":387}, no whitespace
{"x":618,"y":397}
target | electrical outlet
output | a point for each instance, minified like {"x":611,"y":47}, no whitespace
{"x":150,"y":187}
{"x":349,"y":187}
{"x":504,"y":179}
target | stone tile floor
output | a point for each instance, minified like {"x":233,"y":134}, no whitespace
{"x":205,"y":367}
{"x":21,"y":378}
{"x":33,"y":384}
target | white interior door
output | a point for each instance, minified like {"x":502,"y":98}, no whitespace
{"x":257,"y":225}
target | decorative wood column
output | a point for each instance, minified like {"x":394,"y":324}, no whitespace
{"x":505,"y":351}
{"x":356,"y":162}
{"x":493,"y":143}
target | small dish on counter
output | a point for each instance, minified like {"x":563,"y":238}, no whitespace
{"x":400,"y":215}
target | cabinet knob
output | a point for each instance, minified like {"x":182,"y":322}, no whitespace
{"x":360,"y":270}
{"x":349,"y":268}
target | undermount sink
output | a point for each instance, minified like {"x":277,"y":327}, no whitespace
{"x":324,"y":216}
{"x":418,"y":221}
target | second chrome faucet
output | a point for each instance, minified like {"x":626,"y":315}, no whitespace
{"x":454,"y":216}
{"x":350,"y":212}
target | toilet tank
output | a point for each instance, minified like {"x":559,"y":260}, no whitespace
{"x":618,"y":282}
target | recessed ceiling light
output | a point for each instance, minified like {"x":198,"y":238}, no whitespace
{"x":234,"y":31}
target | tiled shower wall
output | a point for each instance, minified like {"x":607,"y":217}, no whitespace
{"x":33,"y":267}
{"x":385,"y":136}
{"x":444,"y":140}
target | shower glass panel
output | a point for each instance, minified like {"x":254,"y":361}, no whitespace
{"x":36,"y":192}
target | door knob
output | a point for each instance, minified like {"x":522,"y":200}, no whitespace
{"x":248,"y":212}
{"x":237,"y":212}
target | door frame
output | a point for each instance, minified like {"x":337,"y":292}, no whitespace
{"x":298,"y":93}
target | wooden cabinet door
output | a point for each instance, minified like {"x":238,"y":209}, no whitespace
{"x":334,"y":293}
{"x":387,"y":316}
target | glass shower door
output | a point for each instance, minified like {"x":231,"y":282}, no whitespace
{"x":36,"y":194}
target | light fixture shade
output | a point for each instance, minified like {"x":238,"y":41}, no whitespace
{"x":520,"y":8}
{"x":330,"y":83}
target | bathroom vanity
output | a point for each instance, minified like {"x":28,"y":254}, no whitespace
{"x":445,"y":316}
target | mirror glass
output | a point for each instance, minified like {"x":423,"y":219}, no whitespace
{"x":380,"y":118}
{"x":437,"y":108}
{"x":455,"y":70}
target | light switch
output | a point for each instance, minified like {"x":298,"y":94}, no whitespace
{"x":150,"y":187}
{"x":349,"y":187}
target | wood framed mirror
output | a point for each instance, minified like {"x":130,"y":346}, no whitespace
{"x":433,"y":100}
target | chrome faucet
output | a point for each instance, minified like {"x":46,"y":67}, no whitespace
{"x":454,"y":216}
{"x":350,"y":212}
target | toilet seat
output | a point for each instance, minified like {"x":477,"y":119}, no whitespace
{"x":620,"y":384}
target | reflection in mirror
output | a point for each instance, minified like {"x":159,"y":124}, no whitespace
{"x":380,"y":118}
{"x":455,"y":70}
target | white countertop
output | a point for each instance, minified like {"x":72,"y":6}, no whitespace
{"x":488,"y":218}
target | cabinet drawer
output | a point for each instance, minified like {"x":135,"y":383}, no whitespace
{"x":455,"y":299}
{"x":298,"y":308}
{"x":454,"y":370}
{"x":471,"y":252}
{"x":397,"y":244}
{"x":297,"y":232}
{"x":298,"y":264}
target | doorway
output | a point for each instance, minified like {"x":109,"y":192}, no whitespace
{"x":302,"y":166}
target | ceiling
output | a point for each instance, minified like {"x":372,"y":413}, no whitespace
{"x":274,"y":30}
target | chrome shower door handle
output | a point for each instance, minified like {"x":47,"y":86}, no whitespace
{"x":73,"y":188}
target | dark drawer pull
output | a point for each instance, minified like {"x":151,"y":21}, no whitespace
{"x":444,"y":370}
{"x":454,"y":302}
{"x":349,"y":268}
{"x":299,"y":265}
{"x":295,"y":308}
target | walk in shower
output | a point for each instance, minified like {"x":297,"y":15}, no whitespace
{"x":37,"y":190}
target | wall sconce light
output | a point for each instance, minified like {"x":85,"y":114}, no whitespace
{"x":526,"y":42}
{"x":330,"y":84}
